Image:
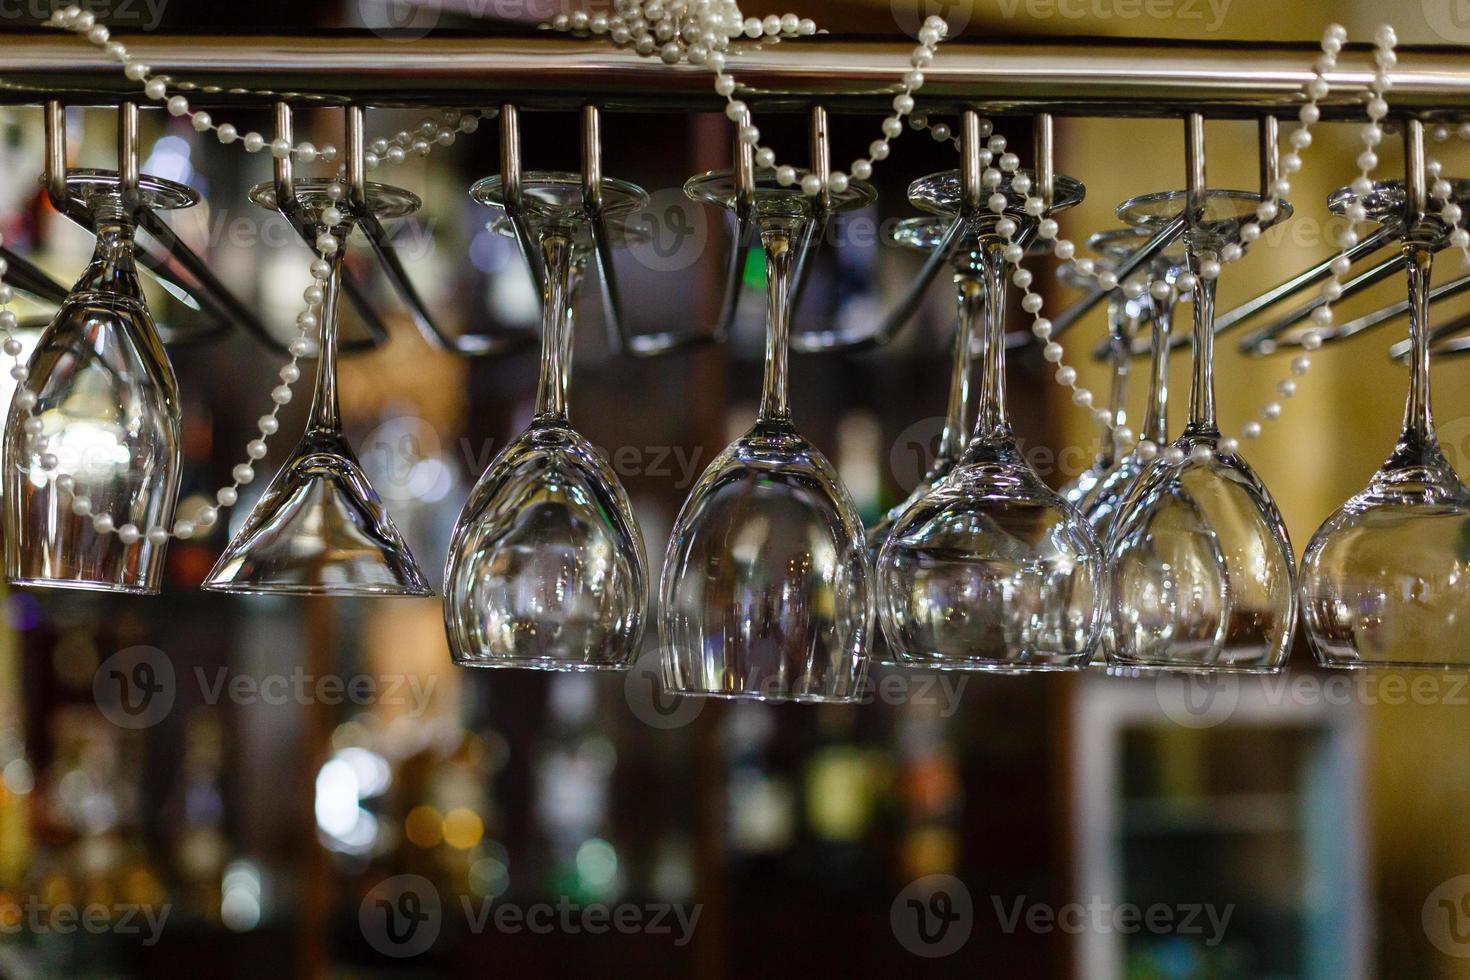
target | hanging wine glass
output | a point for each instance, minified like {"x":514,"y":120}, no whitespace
{"x":1383,"y":579}
{"x":992,"y":570}
{"x":926,"y":234}
{"x":1124,"y":316}
{"x":546,"y":564}
{"x":92,"y":451}
{"x":1202,"y":570}
{"x":764,"y":592}
{"x":320,"y":528}
{"x":1101,"y":505}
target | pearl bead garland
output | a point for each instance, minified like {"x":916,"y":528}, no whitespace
{"x":1317,"y":89}
{"x":420,"y":140}
{"x":700,"y":33}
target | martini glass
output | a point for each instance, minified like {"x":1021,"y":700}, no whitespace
{"x":1101,"y":505}
{"x":765,"y":584}
{"x":1383,"y":580}
{"x":992,"y":570}
{"x":546,"y":564}
{"x":320,"y":527}
{"x":1202,"y":570}
{"x":92,"y":450}
{"x":1123,"y":318}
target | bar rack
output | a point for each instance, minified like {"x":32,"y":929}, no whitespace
{"x":512,"y":71}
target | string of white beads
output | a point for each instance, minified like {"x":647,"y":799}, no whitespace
{"x":701,"y":33}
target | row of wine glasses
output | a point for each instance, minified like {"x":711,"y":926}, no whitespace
{"x":1168,"y":555}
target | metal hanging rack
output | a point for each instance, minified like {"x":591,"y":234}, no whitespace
{"x":521,"y":71}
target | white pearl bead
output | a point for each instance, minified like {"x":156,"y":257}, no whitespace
{"x":1301,"y":364}
{"x":243,"y":473}
{"x":765,"y":157}
{"x":281,"y":395}
{"x":227,"y":496}
{"x":102,"y":523}
{"x":1173,"y":455}
{"x":1031,"y":302}
{"x":128,"y":534}
{"x":178,"y":105}
{"x":1201,"y":453}
{"x":157,"y":536}
{"x":81,"y":506}
{"x":1082,"y":397}
{"x":201,"y":122}
{"x":1229,"y":446}
{"x":811,"y":185}
{"x":861,"y":169}
{"x":206,"y":516}
{"x":184,"y":530}
{"x":254,"y":142}
{"x":1066,"y":376}
{"x":1041,"y":328}
{"x":785,"y":175}
{"x":226,"y":133}
{"x":1052,"y":352}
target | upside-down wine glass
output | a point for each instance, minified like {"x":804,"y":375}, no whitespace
{"x":92,"y":442}
{"x":993,"y":570}
{"x":1101,"y":506}
{"x":1124,"y":315}
{"x":1383,"y":581}
{"x":925,"y":234}
{"x":546,"y":564}
{"x":320,"y":528}
{"x":764,"y":592}
{"x":1202,"y":570}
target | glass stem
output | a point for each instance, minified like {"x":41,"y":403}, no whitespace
{"x":1120,"y":333}
{"x":556,"y":327}
{"x":1156,"y":416}
{"x":777,"y":241}
{"x":1418,"y":418}
{"x":992,"y":424}
{"x":1202,"y":392}
{"x":971,"y":294}
{"x":325,"y":412}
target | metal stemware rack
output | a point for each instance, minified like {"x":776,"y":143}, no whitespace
{"x":527,"y":71}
